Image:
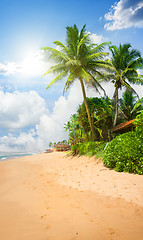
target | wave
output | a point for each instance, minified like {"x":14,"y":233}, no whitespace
{"x":11,"y":155}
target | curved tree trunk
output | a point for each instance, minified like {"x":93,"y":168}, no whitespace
{"x":87,"y":110}
{"x":116,"y":106}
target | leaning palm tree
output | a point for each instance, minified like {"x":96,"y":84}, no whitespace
{"x":125,"y":63}
{"x":78,"y":59}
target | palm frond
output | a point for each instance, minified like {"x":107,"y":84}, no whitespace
{"x":114,"y":50}
{"x":72,"y":39}
{"x":82,"y":32}
{"x":55,"y":54}
{"x":61,"y":45}
{"x":101,"y":47}
{"x":137,"y":80}
{"x":82,"y":41}
{"x":137,"y":105}
{"x":100,"y":64}
{"x":56,"y":69}
{"x":128,"y":86}
{"x":69,"y":82}
{"x":99,"y":55}
{"x":85,"y":75}
{"x":73,"y":63}
{"x":95,"y":83}
{"x":59,"y":77}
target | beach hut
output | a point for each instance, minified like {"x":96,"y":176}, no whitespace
{"x":124,"y":127}
{"x":62,"y":147}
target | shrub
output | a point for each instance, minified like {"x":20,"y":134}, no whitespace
{"x":89,"y":148}
{"x":139,"y":123}
{"x":125,"y":153}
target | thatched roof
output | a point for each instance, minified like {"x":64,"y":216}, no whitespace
{"x":62,"y":146}
{"x":123,"y":126}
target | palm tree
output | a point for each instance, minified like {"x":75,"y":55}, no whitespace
{"x":78,"y":59}
{"x":129,"y":105}
{"x":75,"y":131}
{"x":125,"y":63}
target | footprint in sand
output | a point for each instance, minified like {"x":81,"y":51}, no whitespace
{"x":43,"y":216}
{"x":48,"y":208}
{"x":111,"y":231}
{"x":86,"y":213}
{"x":48,"y":227}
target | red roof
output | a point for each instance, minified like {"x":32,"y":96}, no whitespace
{"x":123,"y":125}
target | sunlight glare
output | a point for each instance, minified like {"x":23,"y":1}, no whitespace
{"x":33,"y":64}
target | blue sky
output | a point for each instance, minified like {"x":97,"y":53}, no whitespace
{"x":30,"y":115}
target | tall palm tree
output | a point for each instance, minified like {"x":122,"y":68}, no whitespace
{"x":125,"y":63}
{"x":78,"y":59}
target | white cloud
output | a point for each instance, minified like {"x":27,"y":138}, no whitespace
{"x":51,"y":127}
{"x":25,"y":142}
{"x":19,"y":110}
{"x":34,"y":64}
{"x":9,"y":68}
{"x":125,"y":14}
{"x":97,"y":39}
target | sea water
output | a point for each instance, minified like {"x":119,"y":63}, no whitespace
{"x":11,"y":155}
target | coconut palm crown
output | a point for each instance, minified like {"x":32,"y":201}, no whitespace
{"x":125,"y":64}
{"x":78,"y":59}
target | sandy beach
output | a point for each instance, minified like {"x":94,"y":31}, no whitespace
{"x":54,"y":197}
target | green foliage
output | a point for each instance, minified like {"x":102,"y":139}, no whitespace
{"x":139,"y":123}
{"x":78,"y":58}
{"x":125,"y":63}
{"x":75,"y":132}
{"x":129,"y":105}
{"x":89,"y":148}
{"x":101,"y":112}
{"x":50,"y":144}
{"x":125,"y":153}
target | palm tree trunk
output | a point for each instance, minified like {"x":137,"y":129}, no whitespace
{"x":87,"y":109}
{"x":116,"y":106}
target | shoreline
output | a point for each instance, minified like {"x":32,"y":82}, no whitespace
{"x":51,"y":196}
{"x":11,"y":156}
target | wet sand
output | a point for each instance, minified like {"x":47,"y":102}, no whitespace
{"x":54,"y":197}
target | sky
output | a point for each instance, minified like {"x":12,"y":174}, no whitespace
{"x":31,"y":116}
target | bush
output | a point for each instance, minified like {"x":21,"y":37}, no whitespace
{"x":89,"y":148}
{"x":139,"y":123}
{"x":125,"y":153}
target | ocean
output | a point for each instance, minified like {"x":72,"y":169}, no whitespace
{"x":11,"y":155}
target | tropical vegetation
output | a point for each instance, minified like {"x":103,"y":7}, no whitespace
{"x":89,"y":148}
{"x":125,"y":63}
{"x":90,"y":127}
{"x":79,"y":59}
{"x":129,"y":105}
{"x":125,"y":153}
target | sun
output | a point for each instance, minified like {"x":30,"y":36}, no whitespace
{"x":33,"y":64}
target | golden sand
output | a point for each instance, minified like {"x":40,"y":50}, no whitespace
{"x":54,"y":197}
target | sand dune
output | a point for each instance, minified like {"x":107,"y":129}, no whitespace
{"x":54,"y":197}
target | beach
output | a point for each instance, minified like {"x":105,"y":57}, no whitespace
{"x":52,"y":196}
